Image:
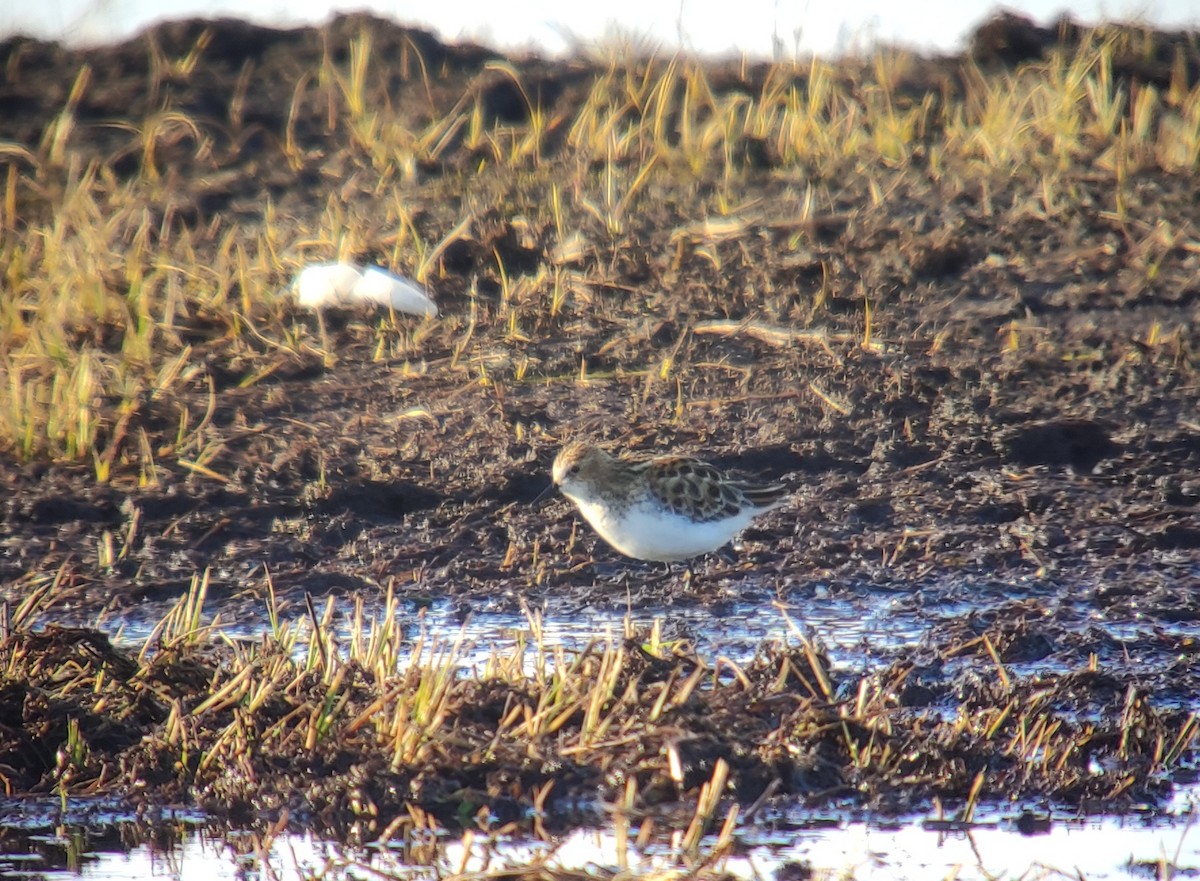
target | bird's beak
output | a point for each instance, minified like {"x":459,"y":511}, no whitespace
{"x":541,"y":497}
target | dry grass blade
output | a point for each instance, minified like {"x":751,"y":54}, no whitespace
{"x":773,"y":335}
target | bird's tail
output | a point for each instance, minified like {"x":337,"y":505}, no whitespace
{"x":770,"y":496}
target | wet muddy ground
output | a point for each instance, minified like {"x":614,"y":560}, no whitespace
{"x":984,"y":395}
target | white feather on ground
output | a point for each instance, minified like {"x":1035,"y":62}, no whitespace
{"x":323,"y":285}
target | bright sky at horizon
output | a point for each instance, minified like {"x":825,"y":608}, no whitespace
{"x":760,"y":28}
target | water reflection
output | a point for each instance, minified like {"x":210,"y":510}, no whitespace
{"x":788,"y":844}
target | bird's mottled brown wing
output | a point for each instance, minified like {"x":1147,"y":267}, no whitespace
{"x":763,"y":495}
{"x":694,"y":489}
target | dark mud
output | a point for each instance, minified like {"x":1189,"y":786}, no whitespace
{"x":1019,"y":416}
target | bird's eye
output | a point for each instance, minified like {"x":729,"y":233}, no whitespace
{"x":573,"y":470}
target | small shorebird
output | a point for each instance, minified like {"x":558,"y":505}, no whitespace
{"x":664,"y":509}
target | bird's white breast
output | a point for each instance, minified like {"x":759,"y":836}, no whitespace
{"x":649,"y":532}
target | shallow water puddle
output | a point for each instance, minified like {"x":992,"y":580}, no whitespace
{"x":860,"y":627}
{"x":856,"y":630}
{"x":853,"y":634}
{"x":781,"y":847}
